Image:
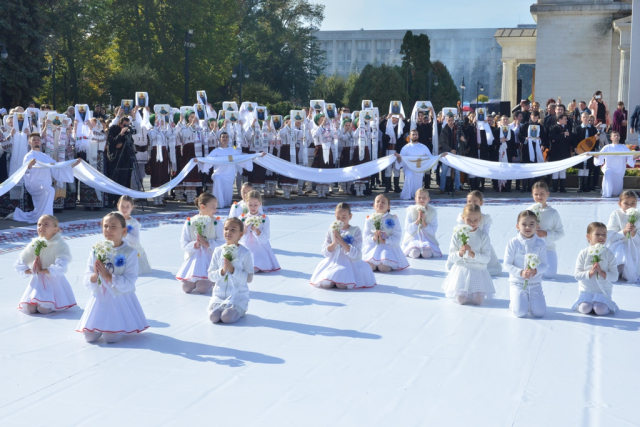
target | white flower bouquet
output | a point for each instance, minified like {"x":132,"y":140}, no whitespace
{"x":462,"y":233}
{"x":104,"y":251}
{"x":230,"y":253}
{"x":531,"y":262}
{"x":200,"y":222}
{"x":376,"y":218}
{"x":39,"y":244}
{"x":595,"y":252}
{"x":536,"y":208}
{"x":632,"y":217}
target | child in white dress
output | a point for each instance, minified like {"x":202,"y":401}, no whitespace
{"x":125,"y":207}
{"x":113,"y":308}
{"x":469,"y":280}
{"x":48,"y":290}
{"x":476,"y":197}
{"x":420,"y":226}
{"x":381,"y":247}
{"x":257,"y":232}
{"x":231,"y":269}
{"x":525,"y":284}
{"x":550,"y":227}
{"x":596,"y":276}
{"x":198,"y":248}
{"x":623,"y":239}
{"x":239,"y":208}
{"x":342,"y":266}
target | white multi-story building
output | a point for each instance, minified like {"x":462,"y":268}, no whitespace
{"x":461,"y":50}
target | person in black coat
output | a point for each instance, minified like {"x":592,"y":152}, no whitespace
{"x":561,"y":146}
{"x":478,"y":149}
{"x":120,"y":153}
{"x":392,"y":144}
{"x":531,"y":154}
{"x":635,"y":120}
{"x":583,"y":131}
{"x":424,"y":126}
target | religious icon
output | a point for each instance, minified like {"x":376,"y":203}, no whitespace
{"x":534,"y":131}
{"x":233,"y":116}
{"x":200,"y":112}
{"x":356,"y":114}
{"x":250,"y":108}
{"x":505,"y":130}
{"x":229,"y":106}
{"x":261,"y":113}
{"x":297,"y":117}
{"x":367,"y":114}
{"x":424,"y":105}
{"x":56,"y":121}
{"x":222,"y":114}
{"x":395,"y":107}
{"x":202,"y":97}
{"x":20,"y":116}
{"x":163,"y":111}
{"x":331,"y":112}
{"x":480,"y":115}
{"x":141,"y":99}
{"x":126,"y":104}
{"x":276,"y":122}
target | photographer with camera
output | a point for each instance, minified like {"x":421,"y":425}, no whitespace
{"x":120,"y":151}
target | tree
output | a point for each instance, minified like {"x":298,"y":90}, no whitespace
{"x":479,"y":73}
{"x":416,"y":59}
{"x":482,"y":98}
{"x":446,"y":93}
{"x":381,"y":84}
{"x":330,"y":88}
{"x":261,"y":93}
{"x":23,"y":30}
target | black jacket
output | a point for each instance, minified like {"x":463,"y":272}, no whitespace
{"x":560,"y":145}
{"x":635,"y":119}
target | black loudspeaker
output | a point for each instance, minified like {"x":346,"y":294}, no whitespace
{"x":505,"y":108}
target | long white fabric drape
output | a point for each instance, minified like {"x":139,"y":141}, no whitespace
{"x":417,"y":164}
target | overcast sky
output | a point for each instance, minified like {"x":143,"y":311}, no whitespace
{"x":424,"y":14}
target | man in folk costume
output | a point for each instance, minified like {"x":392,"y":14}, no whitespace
{"x":480,"y":142}
{"x":171,"y":130}
{"x":289,"y":151}
{"x":561,"y":147}
{"x":38,"y":182}
{"x":224,"y":175}
{"x":159,"y":160}
{"x":583,"y":131}
{"x":140,"y":126}
{"x":301,"y":124}
{"x":271,"y":178}
{"x":346,"y":147}
{"x":258,"y":137}
{"x":506,"y":150}
{"x":393,"y":127}
{"x":614,"y":166}
{"x":532,"y":140}
{"x":361,"y":151}
{"x":247,"y":115}
{"x":448,"y":141}
{"x":92,"y":151}
{"x":190,"y":139}
{"x":324,"y":137}
{"x":59,"y":142}
{"x":412,"y":180}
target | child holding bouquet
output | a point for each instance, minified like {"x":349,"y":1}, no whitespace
{"x":201,"y":234}
{"x":476,"y":197}
{"x":550,"y":227}
{"x":421,"y":224}
{"x":382,"y":236}
{"x":596,"y":270}
{"x":622,"y":236}
{"x":45,"y":261}
{"x":113,"y":308}
{"x":125,"y":207}
{"x":231,"y":269}
{"x":525,"y":258}
{"x":342,"y":266}
{"x":255,"y":237}
{"x":469,"y":280}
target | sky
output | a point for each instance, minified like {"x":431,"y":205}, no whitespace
{"x":423,"y":14}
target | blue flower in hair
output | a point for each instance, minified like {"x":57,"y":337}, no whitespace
{"x":129,"y":228}
{"x":348,"y":239}
{"x":390,"y":223}
{"x":119,"y":260}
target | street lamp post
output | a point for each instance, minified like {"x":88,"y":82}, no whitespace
{"x":187,"y":45}
{"x":239,"y":72}
{"x":3,"y":55}
{"x":434,"y":83}
{"x":53,"y":69}
{"x":481,"y":87}
{"x":462,"y":86}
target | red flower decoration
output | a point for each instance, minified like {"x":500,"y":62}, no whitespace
{"x":188,"y":219}
{"x":218,"y":217}
{"x":264,"y":216}
{"x":241,"y":214}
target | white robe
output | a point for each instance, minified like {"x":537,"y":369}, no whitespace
{"x":412,"y":181}
{"x":224,"y":176}
{"x":38,"y":184}
{"x":614,"y":168}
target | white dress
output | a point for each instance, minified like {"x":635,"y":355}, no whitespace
{"x":626,"y":250}
{"x":231,"y":291}
{"x":263,"y":257}
{"x":412,"y":180}
{"x":47,"y":290}
{"x":596,"y":289}
{"x":224,"y":175}
{"x":418,"y":237}
{"x":113,"y":307}
{"x":614,"y":168}
{"x":494,"y":266}
{"x":388,"y":253}
{"x":196,"y":261}
{"x":469,"y":275}
{"x":239,"y":208}
{"x":133,"y":238}
{"x":38,"y":182}
{"x":344,"y":268}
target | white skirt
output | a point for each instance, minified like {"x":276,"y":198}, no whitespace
{"x":420,"y":241}
{"x":466,"y":281}
{"x":592,"y":297}
{"x":113,"y":313}
{"x":383,"y":253}
{"x":263,"y":257}
{"x":48,"y":291}
{"x":143,"y":262}
{"x":196,"y":267}
{"x":344,"y":271}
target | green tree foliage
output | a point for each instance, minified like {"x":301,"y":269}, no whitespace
{"x":416,"y":57}
{"x":446,"y":93}
{"x":260,"y":93}
{"x":330,"y":88}
{"x":381,"y":84}
{"x":483,"y":98}
{"x":282,"y":108}
{"x":23,"y":31}
{"x":278,"y":46}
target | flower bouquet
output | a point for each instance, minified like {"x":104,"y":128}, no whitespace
{"x":376,"y":218}
{"x":536,"y":208}
{"x":531,"y":262}
{"x":632,"y":217}
{"x":200,"y":222}
{"x":230,"y":253}
{"x":596,"y":251}
{"x":39,"y":244}
{"x":103,"y":251}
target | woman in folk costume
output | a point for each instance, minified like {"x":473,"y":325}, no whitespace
{"x":304,"y":138}
{"x":394,"y":128}
{"x":271,"y":178}
{"x":210,"y":144}
{"x":506,"y":149}
{"x":170,"y":131}
{"x":531,"y":137}
{"x":361,"y":152}
{"x":190,"y":139}
{"x":58,"y":143}
{"x":324,"y":137}
{"x":346,"y":147}
{"x":17,"y":144}
{"x":258,"y":137}
{"x":289,"y":153}
{"x":614,"y":166}
{"x":91,"y":152}
{"x":159,"y":161}
{"x":140,"y":126}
